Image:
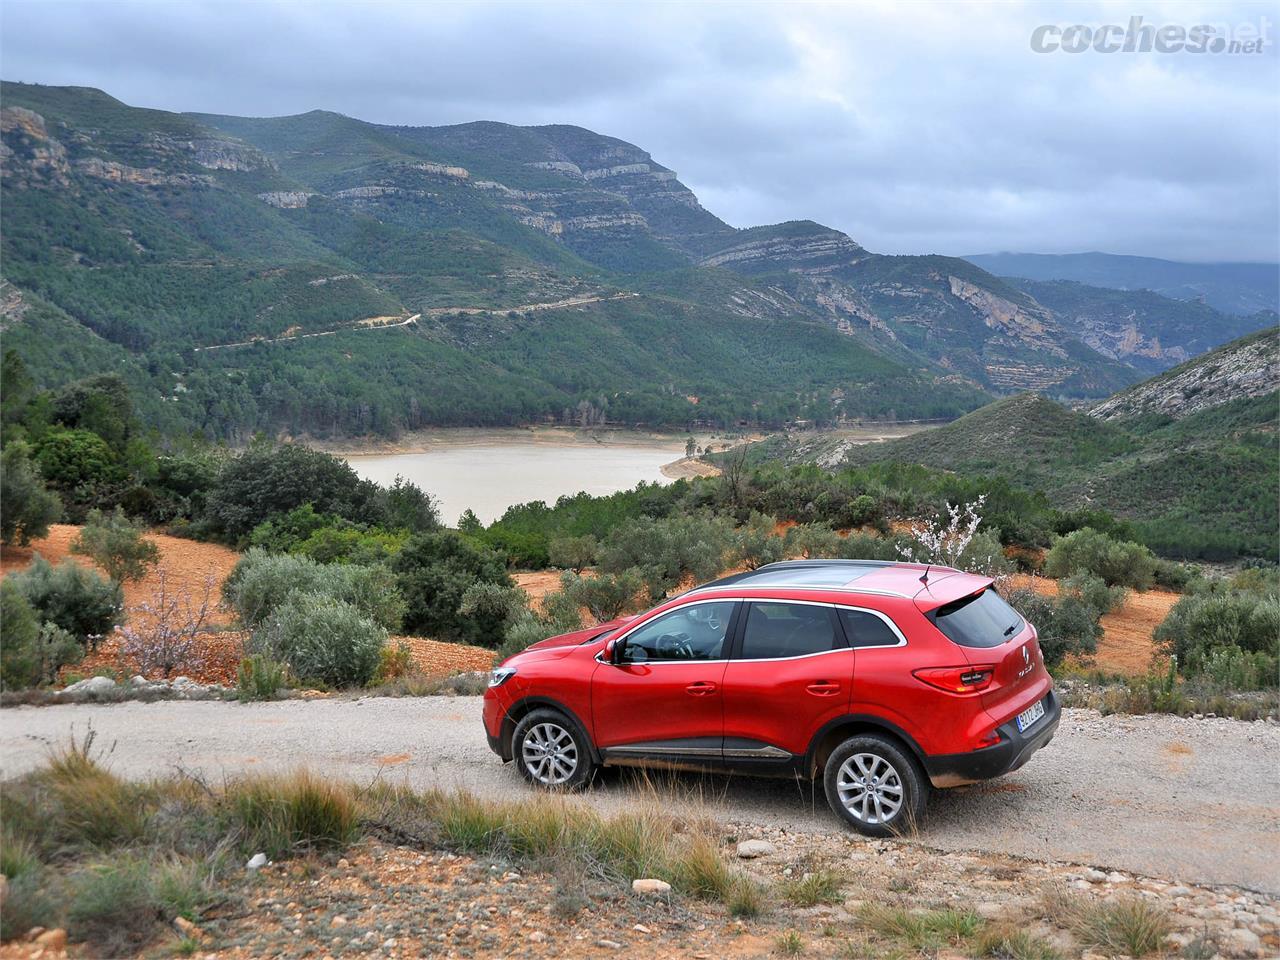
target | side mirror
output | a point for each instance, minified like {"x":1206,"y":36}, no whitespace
{"x":612,"y":651}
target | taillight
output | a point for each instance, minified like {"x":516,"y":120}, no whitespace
{"x":957,"y":680}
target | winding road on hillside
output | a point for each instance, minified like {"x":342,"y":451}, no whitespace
{"x":1177,"y":799}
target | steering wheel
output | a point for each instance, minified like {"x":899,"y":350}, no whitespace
{"x":678,"y":645}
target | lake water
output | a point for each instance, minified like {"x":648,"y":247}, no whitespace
{"x":490,"y":477}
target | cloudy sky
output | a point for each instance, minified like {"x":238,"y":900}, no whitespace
{"x":914,"y":127}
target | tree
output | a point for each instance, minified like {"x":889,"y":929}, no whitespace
{"x":116,"y":544}
{"x":572,"y":553}
{"x":167,"y":635}
{"x":26,"y":507}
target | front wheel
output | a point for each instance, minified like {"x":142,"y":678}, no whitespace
{"x":872,"y":783}
{"x":551,"y":752}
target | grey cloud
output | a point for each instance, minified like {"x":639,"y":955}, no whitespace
{"x":915,"y":128}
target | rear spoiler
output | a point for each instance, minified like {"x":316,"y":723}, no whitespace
{"x":948,"y":588}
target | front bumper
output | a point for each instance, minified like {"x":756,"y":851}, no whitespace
{"x":1013,"y":750}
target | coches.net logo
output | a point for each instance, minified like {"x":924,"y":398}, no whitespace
{"x":1140,"y":37}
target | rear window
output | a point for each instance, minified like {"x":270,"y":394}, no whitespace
{"x":983,"y":620}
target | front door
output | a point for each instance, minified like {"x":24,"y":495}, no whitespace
{"x":663,"y":698}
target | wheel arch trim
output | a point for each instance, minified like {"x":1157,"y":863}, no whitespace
{"x":519,"y":708}
{"x":861,"y":721}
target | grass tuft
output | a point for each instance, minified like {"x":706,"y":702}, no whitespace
{"x":924,"y":931}
{"x":822,"y":886}
{"x":789,"y":944}
{"x":1011,"y":943}
{"x":287,"y":814}
{"x":1128,"y":925}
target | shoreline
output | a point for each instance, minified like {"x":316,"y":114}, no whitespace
{"x":443,"y":438}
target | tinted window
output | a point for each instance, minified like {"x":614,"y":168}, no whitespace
{"x":695,"y":632}
{"x":776,"y":630}
{"x":983,"y":620}
{"x":867,"y":630}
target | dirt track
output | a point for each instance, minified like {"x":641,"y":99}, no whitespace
{"x":1186,"y":800}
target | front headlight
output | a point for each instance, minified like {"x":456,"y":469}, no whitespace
{"x":500,"y":675}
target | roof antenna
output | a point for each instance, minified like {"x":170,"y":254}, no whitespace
{"x":924,"y":577}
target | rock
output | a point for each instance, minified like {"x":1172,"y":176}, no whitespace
{"x":344,"y":863}
{"x":338,"y":921}
{"x":187,"y":928}
{"x":1116,"y":876}
{"x":1239,"y":942}
{"x":609,"y":944}
{"x":138,"y":680}
{"x":537,"y":936}
{"x":90,"y":685}
{"x":56,"y":939}
{"x":990,"y":910}
{"x":750,"y":849}
{"x":641,"y":928}
{"x":256,"y":862}
{"x":1094,"y":876}
{"x":651,"y":887}
{"x":1178,"y":892}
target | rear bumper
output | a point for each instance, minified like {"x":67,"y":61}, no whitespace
{"x":1013,"y":750}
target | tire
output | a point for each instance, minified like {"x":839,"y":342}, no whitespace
{"x":876,"y":786}
{"x":551,"y":752}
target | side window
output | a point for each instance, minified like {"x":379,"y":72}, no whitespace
{"x":695,"y":632}
{"x":867,"y":630}
{"x":778,"y":630}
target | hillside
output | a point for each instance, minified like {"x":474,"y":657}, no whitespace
{"x":319,"y":275}
{"x":1241,"y":288}
{"x":1197,"y":479}
{"x":1247,"y":368}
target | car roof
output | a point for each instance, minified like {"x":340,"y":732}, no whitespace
{"x":856,"y":576}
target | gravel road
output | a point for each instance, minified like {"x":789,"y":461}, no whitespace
{"x":1188,"y":800}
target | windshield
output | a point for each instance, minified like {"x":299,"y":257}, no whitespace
{"x":982,"y":620}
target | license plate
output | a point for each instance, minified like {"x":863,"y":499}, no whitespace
{"x":1030,"y":715}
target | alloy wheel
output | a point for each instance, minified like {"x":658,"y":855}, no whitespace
{"x":870,"y":788}
{"x":549,"y":753}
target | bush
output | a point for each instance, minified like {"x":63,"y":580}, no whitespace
{"x":434,"y":572}
{"x":259,"y":678}
{"x":266,"y":481}
{"x":28,"y":507}
{"x":1088,"y":551}
{"x":71,"y":459}
{"x":287,"y":815}
{"x":1068,"y":624}
{"x":19,"y":662}
{"x":1095,"y":592}
{"x":260,"y":583}
{"x":395,"y":661}
{"x":80,"y":601}
{"x":813,"y":541}
{"x":572,"y":553}
{"x":667,"y":551}
{"x":1234,"y":637}
{"x":168,"y":636}
{"x":757,"y":544}
{"x":605,"y":595}
{"x":115,"y":544}
{"x":322,"y":639}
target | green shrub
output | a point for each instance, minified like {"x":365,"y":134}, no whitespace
{"x":116,"y":544}
{"x":259,"y":678}
{"x":814,"y":541}
{"x":668,"y":550}
{"x":1232,"y":637}
{"x":434,"y":572}
{"x":395,"y":661}
{"x":260,"y":583}
{"x":323,"y":639}
{"x":268,"y":480}
{"x":1068,"y":624}
{"x":866,"y":546}
{"x":28,"y":507}
{"x":756,"y":543}
{"x":117,"y":906}
{"x":1122,"y":563}
{"x":606,"y":595}
{"x":1094,"y":591}
{"x":572,"y":553}
{"x":80,"y":601}
{"x":19,"y":631}
{"x":71,"y":459}
{"x":284,"y":532}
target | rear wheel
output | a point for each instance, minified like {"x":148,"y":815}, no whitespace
{"x":550,"y":751}
{"x":873,"y":784}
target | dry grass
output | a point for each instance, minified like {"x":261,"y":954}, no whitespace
{"x":1128,"y":925}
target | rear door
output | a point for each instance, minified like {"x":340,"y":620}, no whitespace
{"x":790,"y":673}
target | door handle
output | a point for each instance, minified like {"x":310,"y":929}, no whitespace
{"x":824,"y":688}
{"x":700,"y":688}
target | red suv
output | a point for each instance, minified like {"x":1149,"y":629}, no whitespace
{"x":881,"y":678}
